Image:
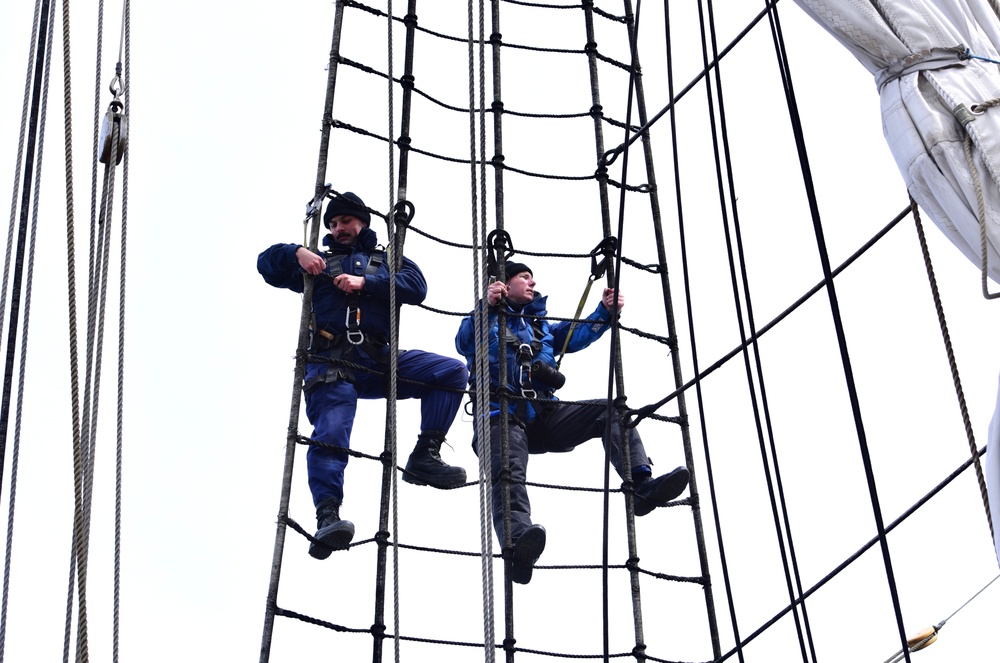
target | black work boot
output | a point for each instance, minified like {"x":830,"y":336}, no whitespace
{"x":332,"y":533}
{"x":425,"y":467}
{"x":527,"y":549}
{"x":651,"y":493}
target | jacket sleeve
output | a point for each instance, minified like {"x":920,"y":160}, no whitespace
{"x":584,"y":333}
{"x":465,"y":339}
{"x":411,"y":287}
{"x":280,"y":268}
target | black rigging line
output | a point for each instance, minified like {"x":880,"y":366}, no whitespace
{"x":757,"y":391}
{"x":857,"y":554}
{"x":40,"y":47}
{"x":844,"y":352}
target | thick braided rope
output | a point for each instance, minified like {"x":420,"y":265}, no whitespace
{"x":3,"y":291}
{"x":952,"y":363}
{"x":477,"y":188}
{"x":980,"y":199}
{"x":391,"y":437}
{"x":87,"y":428}
{"x":15,"y":450}
{"x":71,"y":295}
{"x":126,"y":45}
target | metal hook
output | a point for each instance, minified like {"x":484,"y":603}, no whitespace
{"x":498,"y":242}
{"x":606,"y":248}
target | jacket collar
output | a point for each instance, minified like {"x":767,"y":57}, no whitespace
{"x":367,"y":240}
{"x":536,"y":307}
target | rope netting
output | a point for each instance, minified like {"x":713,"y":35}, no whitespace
{"x":557,"y":162}
{"x":645,"y":254}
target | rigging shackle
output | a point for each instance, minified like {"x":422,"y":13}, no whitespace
{"x":117,"y":85}
{"x":114,"y":125}
{"x":605,"y":248}
{"x":499,"y":249}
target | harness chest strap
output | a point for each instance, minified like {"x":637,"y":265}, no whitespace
{"x":525,"y":353}
{"x":353,"y":317}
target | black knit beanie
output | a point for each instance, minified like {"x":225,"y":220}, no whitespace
{"x":511,"y":268}
{"x":347,"y":203}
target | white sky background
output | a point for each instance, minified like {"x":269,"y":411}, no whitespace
{"x":225,"y":117}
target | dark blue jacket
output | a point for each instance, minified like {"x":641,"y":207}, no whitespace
{"x":280,"y":268}
{"x":552,"y":338}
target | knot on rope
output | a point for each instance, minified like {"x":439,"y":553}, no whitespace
{"x":381,"y":538}
{"x":601,"y":174}
{"x":597,"y":111}
{"x":386,"y":458}
{"x":496,"y":39}
{"x":402,"y":213}
{"x":645,"y":188}
{"x":590,"y":48}
{"x":410,"y":20}
{"x":497,"y":161}
{"x":377,"y":631}
{"x":639,"y":650}
{"x":508,"y":644}
{"x":620,"y":401}
{"x":632,"y":564}
{"x":403,"y":143}
{"x":497,"y":106}
{"x":406,"y":81}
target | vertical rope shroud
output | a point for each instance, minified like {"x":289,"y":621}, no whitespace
{"x":303,"y":341}
{"x":18,"y":225}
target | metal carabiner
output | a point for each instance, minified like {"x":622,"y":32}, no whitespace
{"x":606,"y":248}
{"x":354,"y":335}
{"x":524,"y":373}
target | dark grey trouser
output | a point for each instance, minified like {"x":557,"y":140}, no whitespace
{"x":558,"y":428}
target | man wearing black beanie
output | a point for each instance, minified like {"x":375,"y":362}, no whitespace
{"x":538,"y":421}
{"x":351,"y":278}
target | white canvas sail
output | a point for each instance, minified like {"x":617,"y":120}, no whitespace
{"x":935,"y":68}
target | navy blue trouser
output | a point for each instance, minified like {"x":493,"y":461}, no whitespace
{"x":331,"y":407}
{"x":559,"y":427}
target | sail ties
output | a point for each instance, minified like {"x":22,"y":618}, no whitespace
{"x":929,"y":58}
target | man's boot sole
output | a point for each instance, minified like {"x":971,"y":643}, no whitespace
{"x":527,"y":549}
{"x":434,"y":481}
{"x":671,"y":489}
{"x":332,"y":537}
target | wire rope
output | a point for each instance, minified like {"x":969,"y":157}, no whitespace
{"x":37,"y":91}
{"x":480,"y":281}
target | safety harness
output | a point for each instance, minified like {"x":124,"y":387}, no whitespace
{"x":524,"y":355}
{"x":339,"y":346}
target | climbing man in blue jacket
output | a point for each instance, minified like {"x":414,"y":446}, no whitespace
{"x":351,"y":324}
{"x":547,"y":424}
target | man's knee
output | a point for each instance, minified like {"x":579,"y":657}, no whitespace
{"x":454,"y":374}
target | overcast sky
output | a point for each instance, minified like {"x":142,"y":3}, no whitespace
{"x":225,"y":109}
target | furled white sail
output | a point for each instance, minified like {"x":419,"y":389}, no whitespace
{"x":935,"y":64}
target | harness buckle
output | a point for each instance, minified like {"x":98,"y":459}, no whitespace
{"x":524,"y":355}
{"x":354,"y":335}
